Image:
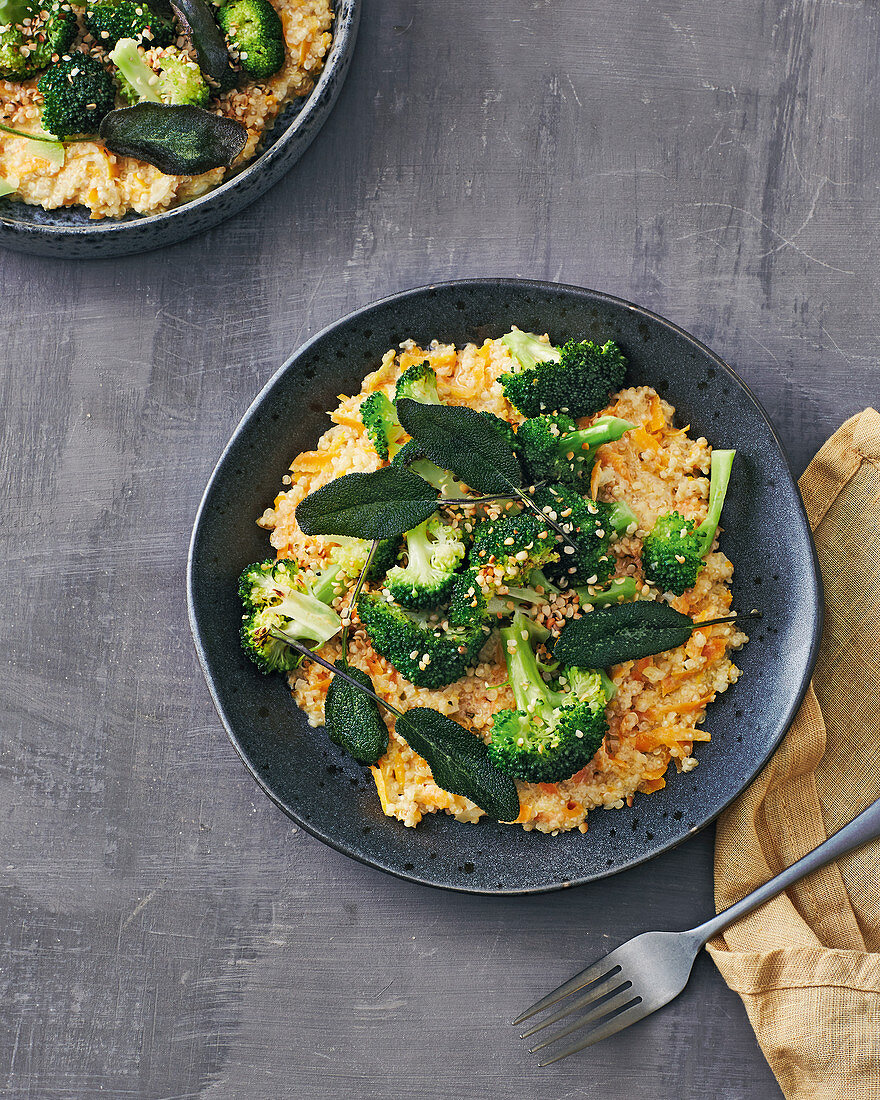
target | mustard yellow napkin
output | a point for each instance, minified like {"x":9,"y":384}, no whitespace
{"x":807,"y":965}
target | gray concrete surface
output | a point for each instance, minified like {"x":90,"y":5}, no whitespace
{"x":165,"y":932}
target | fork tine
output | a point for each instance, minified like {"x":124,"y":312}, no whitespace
{"x":599,"y":969}
{"x":619,"y":998}
{"x":629,"y":1014}
{"x":596,"y":992}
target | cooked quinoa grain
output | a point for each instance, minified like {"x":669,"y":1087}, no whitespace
{"x":653,"y":719}
{"x":111,"y":185}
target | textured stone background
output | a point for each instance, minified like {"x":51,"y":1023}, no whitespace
{"x":165,"y":932}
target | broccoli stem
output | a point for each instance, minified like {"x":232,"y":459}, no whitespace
{"x":528,"y":350}
{"x":326,"y":588}
{"x":529,"y":688}
{"x":621,"y":588}
{"x":622,"y":516}
{"x":136,"y":71}
{"x":719,"y":478}
{"x":607,"y":429}
{"x":419,"y":549}
{"x":41,"y":137}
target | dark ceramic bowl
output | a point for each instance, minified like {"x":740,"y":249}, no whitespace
{"x":70,"y":233}
{"x":765,"y":534}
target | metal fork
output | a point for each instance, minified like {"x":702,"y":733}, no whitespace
{"x":648,"y":971}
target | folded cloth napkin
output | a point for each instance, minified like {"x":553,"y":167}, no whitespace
{"x":807,"y":964}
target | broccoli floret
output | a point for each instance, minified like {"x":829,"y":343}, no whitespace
{"x":110,"y":20}
{"x":552,"y":734}
{"x":420,"y":383}
{"x":470,"y":608}
{"x":468,"y":613}
{"x":33,"y":36}
{"x":593,"y":525}
{"x":434,"y":551}
{"x":350,"y":554}
{"x":181,"y":80}
{"x":577,"y":378}
{"x":276,"y":598}
{"x":255,"y":36}
{"x":553,"y":448}
{"x":161,"y":76}
{"x":379,"y":418}
{"x":77,"y":93}
{"x":672,"y":555}
{"x":508,"y":549}
{"x":421,"y":652}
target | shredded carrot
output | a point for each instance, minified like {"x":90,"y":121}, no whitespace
{"x":642,"y":441}
{"x":651,"y":785}
{"x":684,"y":708}
{"x":346,"y":419}
{"x":658,"y":420}
{"x":594,"y":478}
{"x":311,"y":460}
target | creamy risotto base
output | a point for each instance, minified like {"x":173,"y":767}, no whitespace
{"x":655,"y":716}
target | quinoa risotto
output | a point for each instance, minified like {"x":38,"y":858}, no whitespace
{"x":111,"y":185}
{"x":660,"y":701}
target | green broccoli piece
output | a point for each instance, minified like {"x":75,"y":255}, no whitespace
{"x":110,"y":20}
{"x":509,"y":549}
{"x":421,"y":651}
{"x":181,"y":80}
{"x":469,"y":608}
{"x":350,"y":555}
{"x":77,"y":93}
{"x":554,"y":449}
{"x":673,"y":553}
{"x":254,"y":34}
{"x":468,"y":614}
{"x":577,"y":378}
{"x":593,"y":526}
{"x":276,"y":598}
{"x":620,"y":590}
{"x":420,"y":383}
{"x":171,"y":76}
{"x":383,"y":429}
{"x":552,"y":734}
{"x":434,"y":551}
{"x":33,"y":36}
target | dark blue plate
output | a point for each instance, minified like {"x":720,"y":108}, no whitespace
{"x":69,"y":232}
{"x":765,"y":534}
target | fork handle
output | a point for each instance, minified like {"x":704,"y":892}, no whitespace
{"x":863,"y":828}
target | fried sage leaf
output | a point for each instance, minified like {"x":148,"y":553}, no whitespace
{"x":624,"y":632}
{"x":352,"y":718}
{"x":459,"y":762}
{"x":460,"y":439}
{"x":177,"y":139}
{"x":379,"y":505}
{"x":198,"y":24}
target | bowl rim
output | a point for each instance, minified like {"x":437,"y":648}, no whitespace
{"x":111,"y":227}
{"x":540,"y":285}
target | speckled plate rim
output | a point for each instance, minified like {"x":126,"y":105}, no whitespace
{"x":785,"y":719}
{"x":345,"y":27}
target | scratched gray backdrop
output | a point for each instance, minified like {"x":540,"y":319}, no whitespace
{"x":164,"y":930}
